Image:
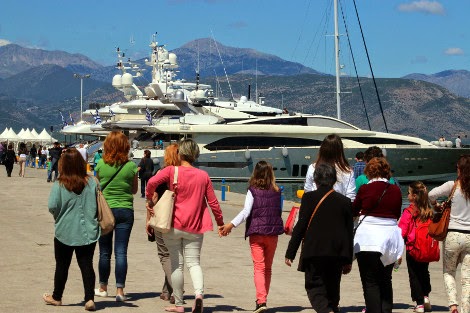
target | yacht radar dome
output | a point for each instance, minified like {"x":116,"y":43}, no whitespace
{"x":117,"y":81}
{"x":127,"y":80}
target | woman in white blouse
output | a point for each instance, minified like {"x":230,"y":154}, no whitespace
{"x":332,"y":152}
{"x":457,"y":242}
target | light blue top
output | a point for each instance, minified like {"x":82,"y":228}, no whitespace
{"x":75,"y":215}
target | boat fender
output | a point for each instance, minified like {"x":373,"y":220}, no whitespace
{"x":285,"y":152}
{"x":247,"y":154}
{"x":384,"y":152}
{"x":156,"y":161}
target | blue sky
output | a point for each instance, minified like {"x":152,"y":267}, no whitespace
{"x":403,"y":36}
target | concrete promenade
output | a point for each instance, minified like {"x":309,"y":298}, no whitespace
{"x":27,"y":264}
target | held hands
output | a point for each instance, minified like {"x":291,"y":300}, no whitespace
{"x":225,"y":230}
{"x":347,"y":269}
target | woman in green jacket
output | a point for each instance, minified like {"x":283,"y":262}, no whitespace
{"x":72,"y":202}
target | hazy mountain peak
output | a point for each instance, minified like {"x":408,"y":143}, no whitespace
{"x":4,"y":42}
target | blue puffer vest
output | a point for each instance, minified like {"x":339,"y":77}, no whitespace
{"x":265,"y":217}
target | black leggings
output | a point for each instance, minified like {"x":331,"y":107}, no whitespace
{"x":420,"y":283}
{"x":63,"y":258}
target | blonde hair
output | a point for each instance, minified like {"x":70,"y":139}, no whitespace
{"x":188,"y":150}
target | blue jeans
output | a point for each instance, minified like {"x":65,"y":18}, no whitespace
{"x":124,"y":222}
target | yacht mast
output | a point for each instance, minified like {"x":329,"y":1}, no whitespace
{"x":338,"y":88}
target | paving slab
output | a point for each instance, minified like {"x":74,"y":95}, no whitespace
{"x":27,"y":264}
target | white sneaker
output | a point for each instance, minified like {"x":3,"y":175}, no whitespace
{"x":419,"y":309}
{"x":100,"y":293}
{"x":427,"y":305}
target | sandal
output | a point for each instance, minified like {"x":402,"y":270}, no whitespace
{"x":49,"y":300}
{"x":178,"y":309}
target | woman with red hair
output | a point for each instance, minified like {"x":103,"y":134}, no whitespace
{"x":119,"y":178}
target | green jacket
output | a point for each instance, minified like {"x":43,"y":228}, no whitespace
{"x":75,"y":215}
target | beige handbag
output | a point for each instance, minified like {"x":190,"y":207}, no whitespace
{"x":104,"y":214}
{"x":162,"y":218}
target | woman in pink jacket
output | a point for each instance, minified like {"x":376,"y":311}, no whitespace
{"x":191,"y":219}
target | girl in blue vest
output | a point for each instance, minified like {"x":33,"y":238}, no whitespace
{"x":419,"y":210}
{"x":262,"y":213}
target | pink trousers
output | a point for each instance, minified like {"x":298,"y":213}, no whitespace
{"x":262,"y":253}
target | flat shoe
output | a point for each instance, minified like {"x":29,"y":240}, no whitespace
{"x":90,"y":306}
{"x":121,"y":298}
{"x":198,"y":306}
{"x":178,"y":309}
{"x":100,"y":293}
{"x":49,"y":300}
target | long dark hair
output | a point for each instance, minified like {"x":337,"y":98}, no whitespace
{"x":72,"y":169}
{"x":463,"y":165}
{"x":332,"y":152}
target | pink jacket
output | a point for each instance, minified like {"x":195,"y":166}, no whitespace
{"x":407,"y":225}
{"x":194,"y":188}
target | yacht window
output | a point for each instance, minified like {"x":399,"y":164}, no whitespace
{"x":295,"y":170}
{"x":380,"y":141}
{"x":303,"y":170}
{"x":254,"y":142}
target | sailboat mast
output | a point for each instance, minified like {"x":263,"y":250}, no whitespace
{"x":338,"y":87}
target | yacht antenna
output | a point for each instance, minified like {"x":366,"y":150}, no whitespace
{"x":338,"y":87}
{"x":222,"y":61}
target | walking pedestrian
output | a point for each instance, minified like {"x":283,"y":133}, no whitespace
{"x":72,"y":202}
{"x":262,"y":213}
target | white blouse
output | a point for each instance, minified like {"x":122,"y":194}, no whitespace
{"x":345,"y":183}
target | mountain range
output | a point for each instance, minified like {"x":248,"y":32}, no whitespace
{"x":35,"y":84}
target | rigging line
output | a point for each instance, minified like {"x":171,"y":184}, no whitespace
{"x":223,"y":65}
{"x":354,"y":63}
{"x":370,"y":66}
{"x":324,"y":23}
{"x":301,"y":30}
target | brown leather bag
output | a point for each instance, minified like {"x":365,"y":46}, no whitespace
{"x":440,"y":223}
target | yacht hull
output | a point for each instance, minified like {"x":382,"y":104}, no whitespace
{"x":291,"y":164}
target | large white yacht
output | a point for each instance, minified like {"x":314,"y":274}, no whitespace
{"x":234,"y":135}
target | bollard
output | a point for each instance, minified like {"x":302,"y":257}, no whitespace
{"x":223,"y":189}
{"x":281,"y":188}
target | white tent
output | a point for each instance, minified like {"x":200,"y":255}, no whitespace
{"x":28,"y":136}
{"x":35,"y":133}
{"x":20,"y":134}
{"x":11,"y":136}
{"x":44,"y":137}
{"x":2,"y":135}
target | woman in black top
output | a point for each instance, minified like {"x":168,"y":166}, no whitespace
{"x":145,"y":169}
{"x":10,"y":158}
{"x":328,"y":241}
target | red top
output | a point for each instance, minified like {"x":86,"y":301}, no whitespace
{"x":368,"y":195}
{"x":194,"y":187}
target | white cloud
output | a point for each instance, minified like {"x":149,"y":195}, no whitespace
{"x":424,"y":6}
{"x":454,"y":51}
{"x":4,"y":42}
